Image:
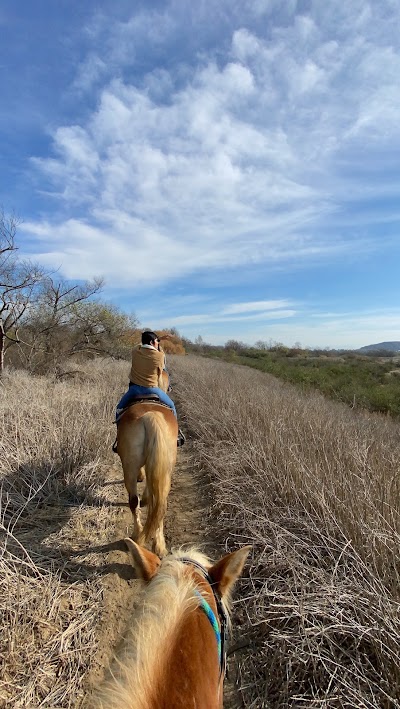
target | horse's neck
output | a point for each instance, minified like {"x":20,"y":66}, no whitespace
{"x":171,"y":657}
{"x":192,"y":676}
{"x":163,"y":380}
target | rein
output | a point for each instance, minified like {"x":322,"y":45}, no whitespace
{"x":221,"y":631}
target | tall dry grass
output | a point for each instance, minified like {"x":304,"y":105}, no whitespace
{"x":54,"y":436}
{"x":312,"y":485}
{"x":315,"y":488}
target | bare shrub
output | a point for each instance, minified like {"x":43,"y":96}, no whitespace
{"x":314,"y":486}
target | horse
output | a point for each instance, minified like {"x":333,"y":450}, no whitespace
{"x":174,"y":653}
{"x":146,"y":444}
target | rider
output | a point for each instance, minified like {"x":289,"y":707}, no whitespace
{"x":148,"y":362}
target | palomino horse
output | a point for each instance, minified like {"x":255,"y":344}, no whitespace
{"x":174,"y":655}
{"x":146,"y":443}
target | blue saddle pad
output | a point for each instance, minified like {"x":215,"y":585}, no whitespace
{"x":139,"y":399}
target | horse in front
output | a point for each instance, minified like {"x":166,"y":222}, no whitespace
{"x":174,"y":654}
{"x":146,"y":444}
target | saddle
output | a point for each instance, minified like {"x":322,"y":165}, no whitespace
{"x":140,"y":399}
{"x":143,"y":397}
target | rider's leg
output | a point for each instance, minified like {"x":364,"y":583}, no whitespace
{"x":136,"y":389}
{"x":133,"y":391}
{"x":164,"y":398}
{"x":124,"y":401}
{"x":154,"y":390}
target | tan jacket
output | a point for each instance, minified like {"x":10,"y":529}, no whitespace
{"x":147,"y":365}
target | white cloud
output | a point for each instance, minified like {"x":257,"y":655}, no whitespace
{"x":89,"y":72}
{"x":347,"y":330}
{"x":223,"y":317}
{"x":259,"y":305}
{"x":240,"y":161}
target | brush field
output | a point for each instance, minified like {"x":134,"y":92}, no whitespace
{"x":315,"y":488}
{"x":362,"y":381}
{"x":312,"y":485}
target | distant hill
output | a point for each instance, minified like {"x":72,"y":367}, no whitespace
{"x":389,"y":346}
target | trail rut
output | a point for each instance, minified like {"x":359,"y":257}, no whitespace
{"x":187,"y":523}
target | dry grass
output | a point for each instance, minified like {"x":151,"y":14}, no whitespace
{"x":314,"y":486}
{"x":55,"y":433}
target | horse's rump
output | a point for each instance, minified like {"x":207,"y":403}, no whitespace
{"x":146,"y":439}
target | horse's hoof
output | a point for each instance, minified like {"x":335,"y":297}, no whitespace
{"x":160,"y":549}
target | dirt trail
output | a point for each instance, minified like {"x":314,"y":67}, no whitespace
{"x":186,"y":524}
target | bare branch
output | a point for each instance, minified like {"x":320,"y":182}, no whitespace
{"x":8,"y":230}
{"x":18,"y":282}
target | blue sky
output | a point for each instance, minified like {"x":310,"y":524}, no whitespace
{"x":231,"y":167}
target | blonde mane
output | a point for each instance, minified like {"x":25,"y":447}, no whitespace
{"x":148,"y":642}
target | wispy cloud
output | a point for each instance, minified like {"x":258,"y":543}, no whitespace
{"x":246,"y":154}
{"x":331,"y":330}
{"x":259,"y":305}
{"x":222,"y":163}
{"x":89,"y":73}
{"x":223,"y":317}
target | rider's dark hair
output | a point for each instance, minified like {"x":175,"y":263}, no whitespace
{"x":148,"y":336}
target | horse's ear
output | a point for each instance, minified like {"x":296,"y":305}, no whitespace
{"x":228,"y":569}
{"x":145,"y":562}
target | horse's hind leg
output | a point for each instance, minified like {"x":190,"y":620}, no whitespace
{"x":145,"y":497}
{"x":132,"y":461}
{"x":134,"y":503}
{"x":158,"y":546}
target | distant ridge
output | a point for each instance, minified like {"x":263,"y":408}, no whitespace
{"x":389,"y":346}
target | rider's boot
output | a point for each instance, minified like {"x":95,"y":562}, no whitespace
{"x":181,"y":439}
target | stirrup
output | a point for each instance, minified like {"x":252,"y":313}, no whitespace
{"x":181,"y":439}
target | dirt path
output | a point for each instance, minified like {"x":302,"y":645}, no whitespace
{"x":187,"y":523}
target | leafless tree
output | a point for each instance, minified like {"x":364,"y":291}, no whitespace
{"x":19,"y":281}
{"x":67,"y":321}
{"x":50,"y":323}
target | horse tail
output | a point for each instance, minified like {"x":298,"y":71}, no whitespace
{"x":158,"y":464}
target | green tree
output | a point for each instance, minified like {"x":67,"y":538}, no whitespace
{"x":101,"y":328}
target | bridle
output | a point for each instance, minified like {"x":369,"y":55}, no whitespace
{"x":221,"y":631}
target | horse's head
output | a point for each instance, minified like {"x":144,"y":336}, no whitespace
{"x":209,"y":588}
{"x":163,"y":380}
{"x":175,"y":651}
{"x":221,"y":576}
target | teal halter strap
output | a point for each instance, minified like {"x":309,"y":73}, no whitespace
{"x":205,"y":606}
{"x":220,"y":629}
